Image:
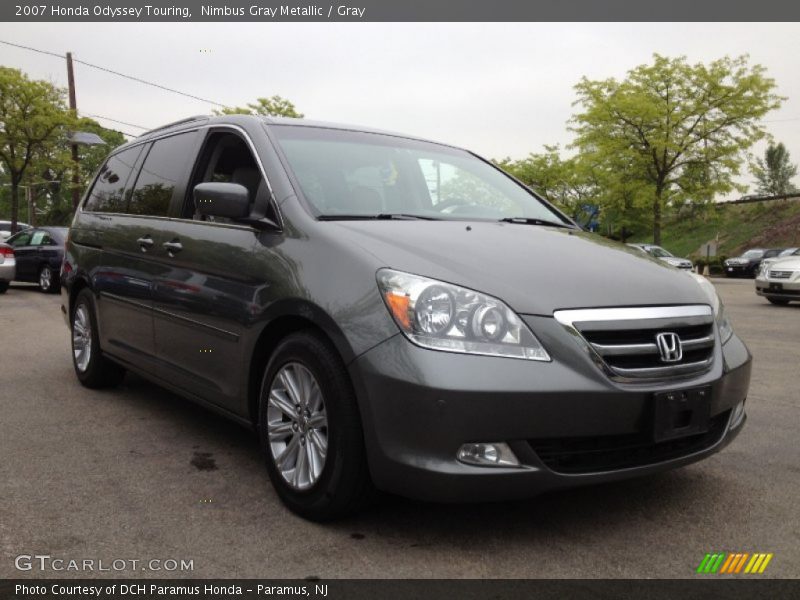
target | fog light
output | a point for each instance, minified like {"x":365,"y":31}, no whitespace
{"x":496,"y":454}
{"x":738,"y":415}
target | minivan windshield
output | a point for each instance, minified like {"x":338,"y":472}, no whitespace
{"x":350,"y":174}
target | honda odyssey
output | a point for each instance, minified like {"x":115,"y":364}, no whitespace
{"x":392,"y":314}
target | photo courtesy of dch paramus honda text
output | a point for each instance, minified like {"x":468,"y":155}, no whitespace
{"x":392,"y":314}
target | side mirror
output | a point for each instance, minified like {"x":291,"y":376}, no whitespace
{"x":216,"y":199}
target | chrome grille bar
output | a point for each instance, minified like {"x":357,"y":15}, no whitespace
{"x":635,"y":349}
{"x":622,"y":341}
{"x":779,"y":274}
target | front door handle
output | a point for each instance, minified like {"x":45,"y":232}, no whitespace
{"x":145,"y":243}
{"x":173,"y":247}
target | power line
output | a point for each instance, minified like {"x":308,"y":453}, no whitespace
{"x":115,"y":121}
{"x":117,"y":73}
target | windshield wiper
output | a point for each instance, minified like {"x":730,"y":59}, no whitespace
{"x":535,"y":221}
{"x":377,"y":217}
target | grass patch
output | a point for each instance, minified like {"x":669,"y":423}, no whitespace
{"x":763,"y":224}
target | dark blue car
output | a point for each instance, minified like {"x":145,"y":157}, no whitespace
{"x":39,"y":252}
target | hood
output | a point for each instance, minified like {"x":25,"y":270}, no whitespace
{"x":788,"y":263}
{"x":535,"y":270}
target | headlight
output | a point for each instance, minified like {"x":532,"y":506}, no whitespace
{"x":442,"y":316}
{"x":724,"y":325}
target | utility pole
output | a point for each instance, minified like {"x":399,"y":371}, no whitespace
{"x":73,"y":105}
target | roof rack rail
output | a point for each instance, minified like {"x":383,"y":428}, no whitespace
{"x":174,"y":123}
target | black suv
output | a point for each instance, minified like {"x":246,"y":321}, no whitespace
{"x":387,"y":313}
{"x":748,"y":263}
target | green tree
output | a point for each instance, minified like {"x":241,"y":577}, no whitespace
{"x":775,"y":171}
{"x":53,"y":196}
{"x":276,"y":106}
{"x":568,"y":183}
{"x":679,"y":128}
{"x":33,"y":118}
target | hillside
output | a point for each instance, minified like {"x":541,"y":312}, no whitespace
{"x":740,"y":226}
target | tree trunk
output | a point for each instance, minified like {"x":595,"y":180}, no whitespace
{"x":657,"y":216}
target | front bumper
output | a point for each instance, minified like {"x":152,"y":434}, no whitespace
{"x":787,"y":289}
{"x":734,"y":270}
{"x":419,"y":406}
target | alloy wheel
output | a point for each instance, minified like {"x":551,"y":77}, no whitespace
{"x":82,"y":337}
{"x":297,"y":426}
{"x":45,"y":278}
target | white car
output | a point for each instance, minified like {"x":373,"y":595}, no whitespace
{"x":664,"y":256}
{"x":779,"y":279}
{"x":5,"y":229}
{"x":8,"y":266}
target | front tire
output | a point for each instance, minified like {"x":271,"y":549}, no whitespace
{"x":4,"y":287}
{"x":92,"y":368}
{"x":310,"y":430}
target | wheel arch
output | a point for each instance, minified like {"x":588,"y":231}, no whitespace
{"x":284,"y":319}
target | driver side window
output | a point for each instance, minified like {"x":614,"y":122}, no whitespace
{"x":227,"y":158}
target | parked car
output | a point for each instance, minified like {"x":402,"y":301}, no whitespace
{"x":5,"y":229}
{"x":662,"y":255}
{"x":783,"y":253}
{"x":748,"y":263}
{"x":455,"y":343}
{"x":8,"y":266}
{"x":779,"y":280}
{"x":39,"y":252}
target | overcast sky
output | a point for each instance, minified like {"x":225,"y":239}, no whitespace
{"x":498,"y":89}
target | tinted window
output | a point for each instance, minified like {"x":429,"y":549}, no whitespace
{"x":163,"y":169}
{"x":40,"y":238}
{"x":21,"y":239}
{"x":108,"y":191}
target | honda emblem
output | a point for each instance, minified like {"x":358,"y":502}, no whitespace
{"x":669,"y":347}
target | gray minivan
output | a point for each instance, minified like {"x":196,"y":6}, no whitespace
{"x":391,"y":314}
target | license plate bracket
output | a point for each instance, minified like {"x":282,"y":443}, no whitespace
{"x":681,"y":413}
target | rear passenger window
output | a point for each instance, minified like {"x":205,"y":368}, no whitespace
{"x":163,"y":169}
{"x":107,"y":194}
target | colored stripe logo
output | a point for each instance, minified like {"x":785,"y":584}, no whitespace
{"x":734,"y":563}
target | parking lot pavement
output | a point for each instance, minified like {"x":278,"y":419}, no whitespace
{"x":138,"y":473}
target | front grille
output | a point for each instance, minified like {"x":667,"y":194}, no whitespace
{"x":780,"y":274}
{"x":624,"y":340}
{"x":610,"y":452}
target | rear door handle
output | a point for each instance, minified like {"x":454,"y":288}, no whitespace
{"x":173,"y":247}
{"x":145,"y":243}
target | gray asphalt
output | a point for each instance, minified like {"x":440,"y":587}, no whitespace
{"x":137,"y":474}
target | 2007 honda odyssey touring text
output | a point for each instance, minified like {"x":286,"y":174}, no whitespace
{"x":392,"y":314}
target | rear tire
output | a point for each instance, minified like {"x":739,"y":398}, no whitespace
{"x":92,"y":368}
{"x":307,"y":403}
{"x":779,"y":301}
{"x":47,"y":280}
{"x":4,"y":287}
